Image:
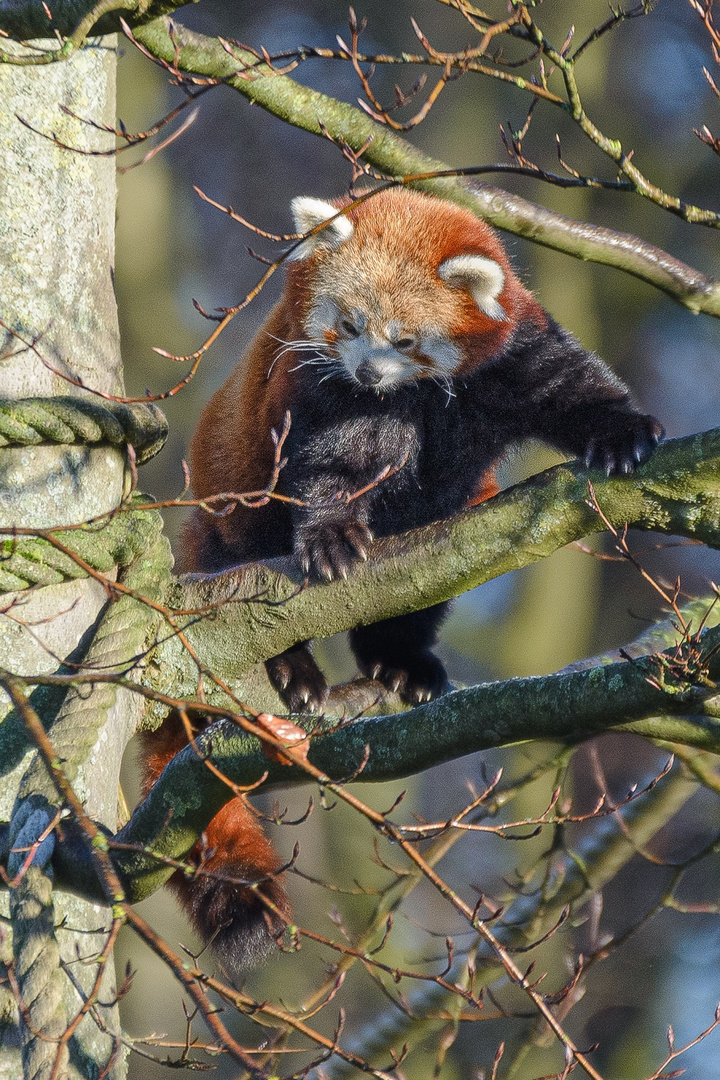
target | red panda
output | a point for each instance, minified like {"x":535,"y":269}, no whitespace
{"x":403,"y":332}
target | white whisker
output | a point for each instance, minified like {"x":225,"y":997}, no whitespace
{"x":330,"y":374}
{"x":317,"y":361}
{"x":299,"y":346}
{"x":298,"y":349}
{"x":300,"y":341}
{"x":443,"y":382}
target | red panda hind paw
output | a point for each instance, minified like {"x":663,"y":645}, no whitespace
{"x":298,"y":680}
{"x":630,"y":443}
{"x":330,"y":551}
{"x":416,"y":679}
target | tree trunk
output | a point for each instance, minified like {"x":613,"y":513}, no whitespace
{"x":57,"y":218}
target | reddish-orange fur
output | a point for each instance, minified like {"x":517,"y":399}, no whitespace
{"x":488,"y":487}
{"x":392,"y":259}
{"x":232,"y":449}
{"x":234,"y":851}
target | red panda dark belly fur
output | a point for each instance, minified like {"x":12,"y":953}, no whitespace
{"x":421,"y":267}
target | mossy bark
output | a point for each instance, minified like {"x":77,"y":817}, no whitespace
{"x":255,"y":611}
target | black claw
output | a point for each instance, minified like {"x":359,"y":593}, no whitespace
{"x":626,"y":443}
{"x":298,"y":680}
{"x":417,"y":678}
{"x":329,"y":551}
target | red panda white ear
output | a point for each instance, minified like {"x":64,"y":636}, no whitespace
{"x":307,"y":214}
{"x":483,"y":278}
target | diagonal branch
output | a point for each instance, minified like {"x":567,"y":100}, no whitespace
{"x":321,"y":115}
{"x":568,"y":707}
{"x":259,"y":609}
{"x":677,"y":491}
{"x":23,"y":20}
{"x":183,"y":50}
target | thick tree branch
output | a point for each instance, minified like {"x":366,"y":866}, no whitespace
{"x":259,"y":609}
{"x":677,"y":491}
{"x":568,"y":707}
{"x":24,"y":20}
{"x":394,"y":156}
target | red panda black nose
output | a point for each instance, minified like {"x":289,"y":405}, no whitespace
{"x":367,"y":374}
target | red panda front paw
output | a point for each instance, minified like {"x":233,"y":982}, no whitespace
{"x":416,"y":679}
{"x":297,"y":679}
{"x":329,"y":551}
{"x":632,"y":439}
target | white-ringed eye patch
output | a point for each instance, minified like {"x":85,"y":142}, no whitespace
{"x":307,"y":214}
{"x":483,"y":278}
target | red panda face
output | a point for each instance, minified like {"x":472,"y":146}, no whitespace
{"x":372,"y":347}
{"x":388,"y":299}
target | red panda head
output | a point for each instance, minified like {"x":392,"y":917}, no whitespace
{"x":402,"y":287}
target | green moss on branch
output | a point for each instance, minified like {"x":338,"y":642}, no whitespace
{"x":259,"y":609}
{"x":567,"y":707}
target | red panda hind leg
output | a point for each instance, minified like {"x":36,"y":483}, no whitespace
{"x":398,"y":652}
{"x":234,"y":897}
{"x":235,"y":902}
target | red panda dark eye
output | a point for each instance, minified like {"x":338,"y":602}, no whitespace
{"x":349,"y":328}
{"x":404,"y":343}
